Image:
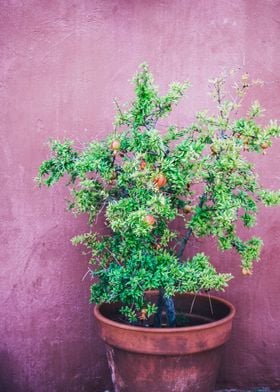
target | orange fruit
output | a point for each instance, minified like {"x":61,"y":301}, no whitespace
{"x":187,"y":208}
{"x":160,"y":180}
{"x":115,"y":145}
{"x":150,"y":220}
{"x":142,"y":165}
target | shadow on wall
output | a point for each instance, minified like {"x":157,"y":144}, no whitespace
{"x":9,"y":375}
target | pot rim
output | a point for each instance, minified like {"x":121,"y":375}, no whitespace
{"x":228,"y":318}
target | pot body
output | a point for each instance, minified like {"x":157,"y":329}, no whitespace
{"x":184,"y":359}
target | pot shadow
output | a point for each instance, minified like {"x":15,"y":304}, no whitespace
{"x":12,"y":378}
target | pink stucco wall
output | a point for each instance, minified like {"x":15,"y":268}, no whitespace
{"x":62,"y":62}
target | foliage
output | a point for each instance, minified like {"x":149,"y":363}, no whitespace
{"x":139,"y":180}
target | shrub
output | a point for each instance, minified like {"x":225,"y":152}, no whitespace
{"x":138,"y":180}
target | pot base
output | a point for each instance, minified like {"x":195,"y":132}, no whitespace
{"x":151,"y":373}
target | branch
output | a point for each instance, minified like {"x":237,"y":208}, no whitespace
{"x":152,"y":119}
{"x":184,"y":243}
{"x":186,"y":237}
{"x":112,"y":254}
{"x":169,"y":305}
{"x":120,"y":112}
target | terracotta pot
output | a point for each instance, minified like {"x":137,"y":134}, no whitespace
{"x":181,"y":359}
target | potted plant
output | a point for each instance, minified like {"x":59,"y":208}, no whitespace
{"x":138,"y":181}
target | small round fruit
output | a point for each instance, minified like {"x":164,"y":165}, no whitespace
{"x":160,"y":180}
{"x":150,"y":220}
{"x":245,"y":147}
{"x":115,"y":145}
{"x":142,"y":165}
{"x":143,"y":315}
{"x":114,"y":175}
{"x":157,"y":246}
{"x":264,"y":145}
{"x":246,"y":271}
{"x":187,"y":209}
{"x":213,"y":150}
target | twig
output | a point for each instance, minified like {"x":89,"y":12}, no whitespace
{"x":116,"y":260}
{"x":118,"y":107}
{"x":192,"y":305}
{"x":86,"y":274}
{"x":96,"y":218}
{"x":184,"y":243}
{"x":186,"y":237}
{"x":210,"y":303}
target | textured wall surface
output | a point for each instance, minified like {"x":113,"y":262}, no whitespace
{"x":62,"y":62}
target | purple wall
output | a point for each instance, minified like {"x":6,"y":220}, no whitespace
{"x":62,"y":63}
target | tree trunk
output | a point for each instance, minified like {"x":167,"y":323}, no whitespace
{"x":168,"y":303}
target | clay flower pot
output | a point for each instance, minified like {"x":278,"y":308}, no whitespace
{"x":181,"y":359}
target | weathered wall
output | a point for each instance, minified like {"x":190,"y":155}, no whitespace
{"x":62,"y":63}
